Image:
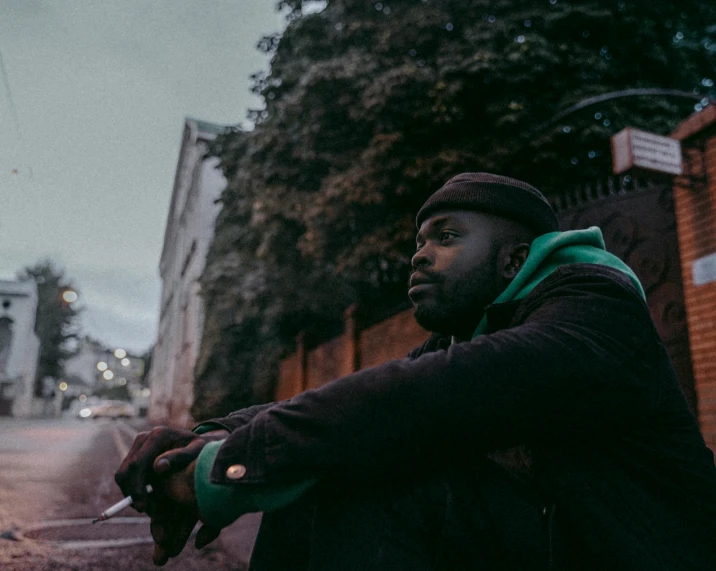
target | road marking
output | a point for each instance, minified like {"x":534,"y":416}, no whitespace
{"x":82,"y":521}
{"x":103,"y":543}
{"x":129,"y":431}
{"x":93,"y":543}
{"x":121,"y":446}
{"x":87,"y":543}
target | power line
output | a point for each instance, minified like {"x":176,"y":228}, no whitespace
{"x":11,"y":102}
{"x":13,"y":116}
{"x":535,"y":134}
{"x":635,"y":92}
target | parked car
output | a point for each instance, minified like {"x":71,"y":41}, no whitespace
{"x":108,"y":409}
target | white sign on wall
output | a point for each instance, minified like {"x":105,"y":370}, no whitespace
{"x":641,"y":149}
{"x":704,"y":270}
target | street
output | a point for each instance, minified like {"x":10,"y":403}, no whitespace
{"x":55,"y":476}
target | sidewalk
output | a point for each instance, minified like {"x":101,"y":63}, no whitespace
{"x":237,"y":540}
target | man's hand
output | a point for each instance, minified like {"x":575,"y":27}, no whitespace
{"x":166,"y":458}
{"x":174,"y":513}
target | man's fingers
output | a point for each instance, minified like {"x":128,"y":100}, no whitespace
{"x":158,"y":531}
{"x":159,"y":555}
{"x":206,"y":535}
{"x":132,"y":474}
{"x":179,"y":458}
{"x":171,"y":529}
{"x":180,"y":535}
{"x":137,"y":469}
{"x":122,"y":474}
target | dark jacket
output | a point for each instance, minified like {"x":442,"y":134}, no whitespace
{"x":575,"y":373}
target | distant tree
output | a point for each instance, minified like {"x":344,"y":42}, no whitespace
{"x":370,"y":106}
{"x":56,"y":321}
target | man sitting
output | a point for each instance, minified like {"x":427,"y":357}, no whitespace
{"x":540,"y":427}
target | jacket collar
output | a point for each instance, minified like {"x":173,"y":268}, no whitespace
{"x":500,"y":315}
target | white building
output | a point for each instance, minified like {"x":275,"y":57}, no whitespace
{"x":190,"y":229}
{"x":94,"y":368}
{"x":83,"y":364}
{"x":92,"y":361}
{"x":19,"y":346}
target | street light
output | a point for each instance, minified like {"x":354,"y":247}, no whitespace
{"x":102,"y":366}
{"x":69,"y":296}
{"x":120,"y":353}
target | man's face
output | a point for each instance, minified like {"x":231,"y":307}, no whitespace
{"x":456,"y":271}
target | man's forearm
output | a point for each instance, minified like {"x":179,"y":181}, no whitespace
{"x":550,"y":378}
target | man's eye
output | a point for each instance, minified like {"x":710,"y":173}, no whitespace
{"x":446,"y":236}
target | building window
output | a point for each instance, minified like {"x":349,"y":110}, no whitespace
{"x":5,"y":342}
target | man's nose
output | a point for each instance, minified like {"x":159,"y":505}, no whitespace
{"x":422,"y":258}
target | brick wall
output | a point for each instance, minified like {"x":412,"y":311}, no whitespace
{"x":290,"y":377}
{"x":353,"y":350}
{"x":695,"y":207}
{"x":328,"y":361}
{"x":390,"y":339}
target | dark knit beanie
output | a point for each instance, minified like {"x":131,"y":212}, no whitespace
{"x":493,"y":194}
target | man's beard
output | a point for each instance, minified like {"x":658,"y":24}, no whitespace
{"x":447,"y":320}
{"x":432,"y":319}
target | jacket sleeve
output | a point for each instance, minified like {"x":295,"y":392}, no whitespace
{"x":221,"y":505}
{"x":233,"y":421}
{"x":576,"y":365}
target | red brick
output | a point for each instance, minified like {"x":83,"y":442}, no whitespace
{"x":695,"y":210}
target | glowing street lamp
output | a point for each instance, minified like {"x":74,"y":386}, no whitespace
{"x":62,"y":386}
{"x":125,"y":362}
{"x":102,"y":366}
{"x":120,"y":353}
{"x":69,"y":296}
{"x":108,"y":375}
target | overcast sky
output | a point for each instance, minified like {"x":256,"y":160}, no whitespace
{"x":100,"y":90}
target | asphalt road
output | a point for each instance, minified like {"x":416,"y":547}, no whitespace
{"x":55,"y":475}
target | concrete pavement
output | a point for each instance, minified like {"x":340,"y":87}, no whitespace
{"x":63,"y":470}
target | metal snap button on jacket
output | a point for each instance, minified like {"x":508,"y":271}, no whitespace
{"x":236,"y":472}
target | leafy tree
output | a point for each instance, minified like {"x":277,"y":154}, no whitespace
{"x":371,"y":106}
{"x":56,"y":321}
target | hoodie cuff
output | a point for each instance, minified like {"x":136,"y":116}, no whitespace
{"x":208,"y":426}
{"x":221,"y":504}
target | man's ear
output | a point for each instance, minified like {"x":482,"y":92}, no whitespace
{"x":515,"y":259}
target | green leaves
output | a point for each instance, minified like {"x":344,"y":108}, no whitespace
{"x":56,"y":319}
{"x":371,"y":106}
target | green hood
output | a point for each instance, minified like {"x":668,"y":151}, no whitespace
{"x":555,"y":249}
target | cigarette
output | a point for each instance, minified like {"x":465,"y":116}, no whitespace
{"x":118,"y":507}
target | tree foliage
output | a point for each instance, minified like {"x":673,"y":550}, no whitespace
{"x":371,"y":106}
{"x":56,"y":319}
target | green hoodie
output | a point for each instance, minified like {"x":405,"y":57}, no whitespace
{"x":555,"y":249}
{"x":221,"y":504}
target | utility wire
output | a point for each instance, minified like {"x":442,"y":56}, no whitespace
{"x":616,"y":95}
{"x":13,"y":116}
{"x":535,"y":134}
{"x":11,"y":102}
